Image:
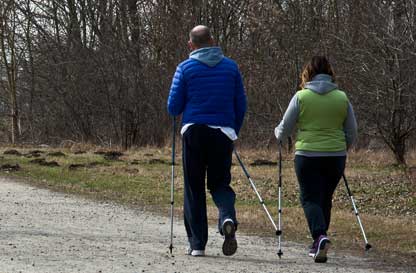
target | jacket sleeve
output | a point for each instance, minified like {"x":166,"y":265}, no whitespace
{"x":286,"y":126}
{"x":350,"y":127}
{"x":177,"y":95}
{"x":240,"y":103}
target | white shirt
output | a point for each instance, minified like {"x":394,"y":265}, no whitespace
{"x":228,"y":131}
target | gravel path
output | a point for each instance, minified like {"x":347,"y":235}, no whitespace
{"x":43,"y":231}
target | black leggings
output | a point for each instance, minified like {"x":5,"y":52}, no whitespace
{"x":318,"y":178}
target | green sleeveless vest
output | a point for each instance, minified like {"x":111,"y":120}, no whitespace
{"x":320,"y":122}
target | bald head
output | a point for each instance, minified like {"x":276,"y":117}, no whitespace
{"x":200,"y":36}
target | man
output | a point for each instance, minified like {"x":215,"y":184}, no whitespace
{"x":208,"y":91}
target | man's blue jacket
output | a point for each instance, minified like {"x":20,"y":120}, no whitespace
{"x":207,"y":88}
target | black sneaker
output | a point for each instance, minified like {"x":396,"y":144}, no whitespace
{"x":229,"y":247}
{"x":322,"y":245}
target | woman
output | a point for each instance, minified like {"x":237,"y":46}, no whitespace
{"x":326,"y":129}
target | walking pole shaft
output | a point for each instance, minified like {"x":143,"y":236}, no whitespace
{"x":279,"y":231}
{"x":172,"y":186}
{"x":253,"y":186}
{"x":367,"y":245}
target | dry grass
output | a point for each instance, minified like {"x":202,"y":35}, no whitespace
{"x":385,"y":195}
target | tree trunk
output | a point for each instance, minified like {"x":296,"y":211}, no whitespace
{"x":8,"y":48}
{"x":399,"y":150}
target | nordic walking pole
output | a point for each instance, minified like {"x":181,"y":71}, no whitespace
{"x":172,"y":185}
{"x":253,"y":186}
{"x":367,"y":245}
{"x":279,"y":231}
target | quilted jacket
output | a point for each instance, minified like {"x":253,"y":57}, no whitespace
{"x":207,"y":89}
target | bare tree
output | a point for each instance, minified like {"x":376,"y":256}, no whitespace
{"x":8,"y":43}
{"x":385,"y":73}
{"x":100,"y":71}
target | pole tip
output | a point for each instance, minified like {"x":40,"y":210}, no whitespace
{"x":368,"y":247}
{"x":280,"y":253}
{"x":170,"y":249}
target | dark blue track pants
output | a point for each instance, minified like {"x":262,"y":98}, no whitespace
{"x":206,"y":152}
{"x":318,"y":178}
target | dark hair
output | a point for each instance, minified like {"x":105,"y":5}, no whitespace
{"x":200,"y":36}
{"x":317,"y":65}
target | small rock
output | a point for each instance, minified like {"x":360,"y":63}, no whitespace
{"x":112,"y":155}
{"x":34,"y":153}
{"x":10,"y":167}
{"x":12,"y":152}
{"x":43,"y":162}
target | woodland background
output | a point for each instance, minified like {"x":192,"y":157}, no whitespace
{"x":99,"y":71}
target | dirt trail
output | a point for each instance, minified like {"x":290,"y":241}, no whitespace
{"x":43,"y":231}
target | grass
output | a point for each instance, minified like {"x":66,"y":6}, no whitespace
{"x":114,"y":180}
{"x":385,"y":195}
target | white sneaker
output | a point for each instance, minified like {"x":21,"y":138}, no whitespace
{"x":194,"y":252}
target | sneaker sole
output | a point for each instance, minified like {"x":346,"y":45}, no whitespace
{"x":229,"y":247}
{"x":321,"y":254}
{"x":197,"y":253}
